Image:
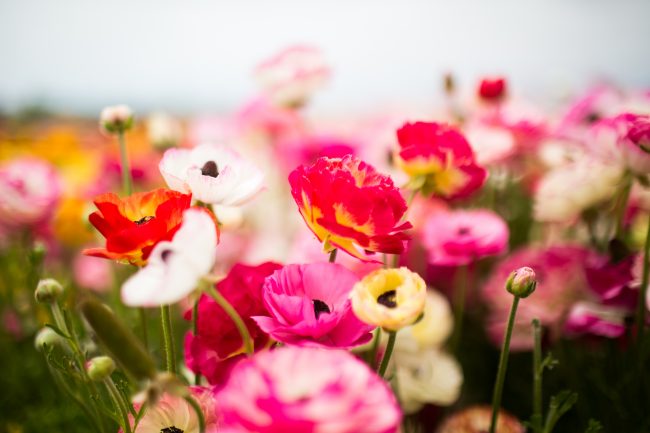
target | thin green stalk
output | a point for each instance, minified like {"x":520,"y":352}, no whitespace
{"x":373,"y":349}
{"x":503,"y":366}
{"x":333,"y":253}
{"x":234,"y":316}
{"x":119,"y":403}
{"x":459,"y":306}
{"x":195,"y":331}
{"x":199,"y":412}
{"x":537,"y":377}
{"x":142,"y":313}
{"x":641,"y":303}
{"x":166,"y":321}
{"x":392,"y":336}
{"x":621,"y":205}
{"x":127,"y":182}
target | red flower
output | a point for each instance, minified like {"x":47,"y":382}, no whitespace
{"x":133,"y":226}
{"x":439,"y":160}
{"x":218,"y":345}
{"x":347,"y":204}
{"x":492,"y":89}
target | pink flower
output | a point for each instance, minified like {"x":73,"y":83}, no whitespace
{"x":92,"y":273}
{"x":461,"y":237}
{"x":561,"y":282}
{"x":635,"y":144}
{"x":594,"y":319}
{"x":291,"y":77}
{"x":309,"y":305}
{"x":218,"y":344}
{"x":29,"y":191}
{"x":492,"y":89}
{"x":306,"y":390}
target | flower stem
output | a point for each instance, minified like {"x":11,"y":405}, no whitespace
{"x":537,"y":377}
{"x":127,"y":182}
{"x":166,"y":321}
{"x":235,"y":317}
{"x":142,"y":313}
{"x":459,"y":306}
{"x":392,"y":335}
{"x":641,"y":303}
{"x":332,"y":258}
{"x":621,"y":205}
{"x":503,"y":365}
{"x":195,"y":331}
{"x":119,"y":403}
{"x":373,"y":349}
{"x":199,"y":412}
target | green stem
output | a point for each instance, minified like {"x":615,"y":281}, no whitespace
{"x":170,"y":357}
{"x":195,"y":331}
{"x":142,"y":313}
{"x":199,"y":412}
{"x":119,"y":403}
{"x":459,"y":306}
{"x":332,"y":258}
{"x":641,"y":303}
{"x":537,"y":377}
{"x":503,"y":366}
{"x":373,"y":349}
{"x":235,"y":317}
{"x":621,"y":205}
{"x":392,"y":335}
{"x":127,"y":182}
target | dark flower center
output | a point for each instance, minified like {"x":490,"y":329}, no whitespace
{"x":320,"y":307}
{"x":210,"y":169}
{"x":144,"y":220}
{"x":171,"y":429}
{"x":165,"y":255}
{"x":462,"y":231}
{"x":388,"y":299}
{"x":592,"y":117}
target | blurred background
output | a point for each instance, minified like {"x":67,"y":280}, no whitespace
{"x":194,"y":56}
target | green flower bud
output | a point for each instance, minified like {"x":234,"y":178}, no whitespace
{"x":48,"y":291}
{"x":522,"y":282}
{"x":46,"y":338}
{"x":100,"y":367}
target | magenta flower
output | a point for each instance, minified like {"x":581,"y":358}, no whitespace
{"x":309,"y":305}
{"x":461,"y":237}
{"x":306,"y":390}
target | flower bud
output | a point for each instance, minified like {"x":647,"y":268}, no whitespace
{"x":492,"y":89}
{"x":48,"y":291}
{"x":116,"y":119}
{"x":100,"y":367}
{"x":46,"y":338}
{"x":522,"y":282}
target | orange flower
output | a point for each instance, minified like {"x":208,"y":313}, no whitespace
{"x":133,"y":226}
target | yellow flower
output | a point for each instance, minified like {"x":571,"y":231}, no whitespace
{"x":390,"y":298}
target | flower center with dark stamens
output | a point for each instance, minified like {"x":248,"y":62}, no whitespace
{"x":171,"y":429}
{"x":210,"y":169}
{"x":320,"y":307}
{"x":462,"y":231}
{"x":144,"y":220}
{"x":388,"y":299}
{"x":165,"y":255}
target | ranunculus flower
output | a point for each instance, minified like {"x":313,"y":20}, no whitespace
{"x":390,"y":298}
{"x":291,"y":77}
{"x":213,"y":174}
{"x":436,"y":324}
{"x":175,"y":267}
{"x":134,"y":225}
{"x":635,"y":144}
{"x":29,"y":191}
{"x":439,"y":160}
{"x":218,"y":345}
{"x":491,"y":144}
{"x":92,"y":273}
{"x":116,"y":119}
{"x":464,"y":236}
{"x":476,"y":419}
{"x":492,"y":89}
{"x":594,"y":319}
{"x":306,"y":390}
{"x":309,"y":305}
{"x":163,"y":130}
{"x":349,"y":205}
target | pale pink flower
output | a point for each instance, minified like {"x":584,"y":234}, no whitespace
{"x":635,"y":144}
{"x":307,"y":390}
{"x":115,"y":119}
{"x":29,"y":191}
{"x":491,"y":144}
{"x":595,"y":319}
{"x":461,"y":237}
{"x":92,"y":273}
{"x":292,"y":76}
{"x":213,"y":174}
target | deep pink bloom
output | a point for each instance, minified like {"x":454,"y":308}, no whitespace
{"x":218,"y":344}
{"x":492,"y":89}
{"x":461,"y":237}
{"x":613,"y":283}
{"x":306,"y":390}
{"x":309,"y":305}
{"x":635,"y":144}
{"x":593,"y":319}
{"x":439,"y":159}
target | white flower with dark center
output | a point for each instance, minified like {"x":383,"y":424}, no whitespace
{"x":213,"y":174}
{"x":175,"y":268}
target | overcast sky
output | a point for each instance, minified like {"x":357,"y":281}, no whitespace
{"x":197,"y":55}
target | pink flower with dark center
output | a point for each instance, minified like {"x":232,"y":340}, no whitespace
{"x":306,"y":390}
{"x":309,"y":305}
{"x":461,"y":237}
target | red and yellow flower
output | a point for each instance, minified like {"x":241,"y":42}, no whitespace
{"x":133,"y":226}
{"x":439,"y":160}
{"x":347,"y":204}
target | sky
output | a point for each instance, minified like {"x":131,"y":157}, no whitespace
{"x":196,"y":56}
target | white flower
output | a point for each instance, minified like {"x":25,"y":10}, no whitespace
{"x":213,"y":174}
{"x":175,"y":268}
{"x":163,"y":130}
{"x":436,"y":324}
{"x":490,"y":144}
{"x":116,"y":118}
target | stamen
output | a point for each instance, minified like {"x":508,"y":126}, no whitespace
{"x":210,"y":169}
{"x":320,"y":307}
{"x":144,"y":220}
{"x":388,"y":299}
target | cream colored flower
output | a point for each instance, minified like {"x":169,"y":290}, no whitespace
{"x":436,"y":324}
{"x":390,"y":298}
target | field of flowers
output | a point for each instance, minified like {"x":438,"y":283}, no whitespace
{"x":482,"y":267}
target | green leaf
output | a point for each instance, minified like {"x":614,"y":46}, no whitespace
{"x":594,"y":426}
